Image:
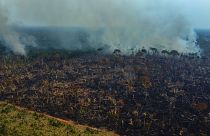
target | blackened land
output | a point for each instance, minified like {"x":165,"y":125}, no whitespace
{"x":143,"y":94}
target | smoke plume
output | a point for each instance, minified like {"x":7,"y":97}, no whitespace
{"x":122,"y":24}
{"x":12,"y":39}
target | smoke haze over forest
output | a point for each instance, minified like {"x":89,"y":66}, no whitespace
{"x":123,"y":24}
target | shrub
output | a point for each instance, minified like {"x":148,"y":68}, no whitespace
{"x":7,"y":109}
{"x":90,"y":131}
{"x":54,"y":123}
{"x":2,"y":129}
{"x":70,"y":129}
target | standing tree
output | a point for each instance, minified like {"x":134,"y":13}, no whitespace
{"x":174,"y":53}
{"x":154,"y":50}
{"x":165,"y":52}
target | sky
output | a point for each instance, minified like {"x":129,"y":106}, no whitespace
{"x":26,"y":11}
{"x":197,"y":11}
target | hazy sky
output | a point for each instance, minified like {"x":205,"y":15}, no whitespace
{"x":196,"y":11}
{"x":123,"y":24}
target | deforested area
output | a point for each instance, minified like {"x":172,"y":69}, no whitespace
{"x":148,"y":93}
{"x":114,"y":67}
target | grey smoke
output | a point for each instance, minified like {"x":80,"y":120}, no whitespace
{"x":123,"y":24}
{"x":11,"y":38}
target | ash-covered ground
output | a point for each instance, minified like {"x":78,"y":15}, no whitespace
{"x":148,"y":93}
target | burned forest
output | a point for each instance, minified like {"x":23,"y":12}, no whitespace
{"x":104,"y":67}
{"x":147,"y":93}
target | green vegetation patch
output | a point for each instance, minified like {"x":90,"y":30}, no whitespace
{"x":20,"y":122}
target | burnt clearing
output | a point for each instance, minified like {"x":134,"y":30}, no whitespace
{"x":142,"y":94}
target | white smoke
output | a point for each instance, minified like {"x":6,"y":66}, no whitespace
{"x":10,"y":37}
{"x":124,"y":24}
